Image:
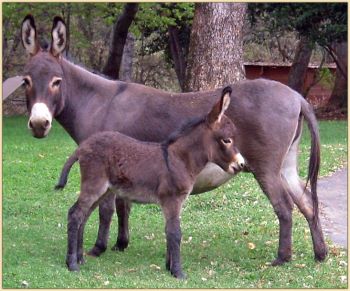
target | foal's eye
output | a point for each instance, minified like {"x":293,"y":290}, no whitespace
{"x":227,"y":141}
{"x":56,"y":83}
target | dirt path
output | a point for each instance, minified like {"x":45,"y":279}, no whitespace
{"x":332,"y":193}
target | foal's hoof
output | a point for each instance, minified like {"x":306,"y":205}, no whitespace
{"x":95,"y":251}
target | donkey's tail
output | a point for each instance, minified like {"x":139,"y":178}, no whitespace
{"x":65,"y":171}
{"x":314,"y":162}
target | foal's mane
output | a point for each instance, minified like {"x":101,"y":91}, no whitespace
{"x":185,"y":129}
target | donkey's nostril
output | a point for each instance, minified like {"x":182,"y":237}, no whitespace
{"x":30,"y":124}
{"x":241,"y":164}
{"x":47,"y":124}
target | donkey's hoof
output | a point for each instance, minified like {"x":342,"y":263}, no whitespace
{"x":120,"y":245}
{"x":81,"y":260}
{"x":95,"y":251}
{"x":279,"y":262}
{"x":321,"y":256}
{"x":117,"y":249}
{"x":73,"y":267}
{"x":178,"y":275}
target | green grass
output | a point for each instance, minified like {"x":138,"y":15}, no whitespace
{"x":229,"y":235}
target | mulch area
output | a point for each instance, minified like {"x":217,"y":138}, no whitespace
{"x":334,"y":114}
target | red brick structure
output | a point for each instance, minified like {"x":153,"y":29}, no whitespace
{"x":318,"y":94}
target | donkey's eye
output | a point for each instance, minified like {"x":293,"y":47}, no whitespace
{"x":26,"y":82}
{"x":56,"y":83}
{"x":227,"y":141}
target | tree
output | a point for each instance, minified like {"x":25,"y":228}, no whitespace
{"x":119,"y":36}
{"x":216,"y":46}
{"x":321,"y":23}
{"x":298,"y":70}
{"x":339,"y":96}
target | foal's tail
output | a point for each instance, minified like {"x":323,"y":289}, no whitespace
{"x":65,"y":171}
{"x":314,"y":162}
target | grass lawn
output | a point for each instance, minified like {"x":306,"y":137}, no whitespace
{"x":230,"y":235}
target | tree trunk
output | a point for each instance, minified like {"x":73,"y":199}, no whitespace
{"x":68,"y":9}
{"x":339,"y":95}
{"x":216,"y":46}
{"x":297,"y":73}
{"x":119,"y":35}
{"x":126,"y":65}
{"x":177,"y":55}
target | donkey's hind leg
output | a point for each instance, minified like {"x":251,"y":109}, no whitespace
{"x":303,"y":200}
{"x":106,"y":211}
{"x":272,"y":185}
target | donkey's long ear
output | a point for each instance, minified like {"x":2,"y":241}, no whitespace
{"x":58,"y":36}
{"x":219,"y":108}
{"x":29,"y":36}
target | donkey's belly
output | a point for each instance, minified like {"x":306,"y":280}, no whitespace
{"x":211,"y":177}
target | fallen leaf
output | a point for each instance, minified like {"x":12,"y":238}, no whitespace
{"x":154,"y":266}
{"x":149,"y":237}
{"x":251,"y":246}
{"x":300,"y":265}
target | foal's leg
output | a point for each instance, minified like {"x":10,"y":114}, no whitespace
{"x":303,"y":201}
{"x":171,"y":208}
{"x":282,"y":203}
{"x":80,"y":251}
{"x":123,"y":211}
{"x":106,"y":211}
{"x":90,"y":194}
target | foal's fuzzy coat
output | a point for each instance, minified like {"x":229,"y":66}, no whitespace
{"x":150,"y":173}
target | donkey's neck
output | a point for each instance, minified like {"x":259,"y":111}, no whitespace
{"x":84,"y":81}
{"x":81,"y":91}
{"x":191,"y":149}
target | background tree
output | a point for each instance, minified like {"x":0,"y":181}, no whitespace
{"x":216,"y":46}
{"x":119,"y":36}
{"x":339,"y":97}
{"x":315,"y":23}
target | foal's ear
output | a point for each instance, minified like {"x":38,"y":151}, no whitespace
{"x":219,"y":108}
{"x":29,"y":37}
{"x":58,"y":36}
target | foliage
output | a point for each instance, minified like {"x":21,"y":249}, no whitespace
{"x":229,"y":235}
{"x":322,"y":23}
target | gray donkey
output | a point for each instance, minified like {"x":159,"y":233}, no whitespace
{"x":144,"y":172}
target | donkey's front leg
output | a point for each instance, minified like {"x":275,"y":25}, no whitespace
{"x":123,"y":210}
{"x":171,"y":210}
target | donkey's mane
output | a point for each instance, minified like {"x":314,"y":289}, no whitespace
{"x":91,"y":76}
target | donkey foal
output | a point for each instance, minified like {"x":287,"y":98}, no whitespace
{"x":162,"y":173}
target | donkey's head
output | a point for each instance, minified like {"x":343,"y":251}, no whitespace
{"x":43,"y":75}
{"x":221,"y":137}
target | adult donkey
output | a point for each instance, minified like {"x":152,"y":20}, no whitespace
{"x":268,"y":116}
